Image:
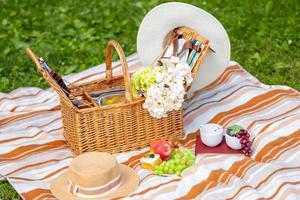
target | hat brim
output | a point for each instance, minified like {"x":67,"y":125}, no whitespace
{"x":130,"y":181}
{"x":165,"y":17}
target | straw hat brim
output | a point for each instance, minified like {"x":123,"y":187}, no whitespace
{"x":130,"y":181}
{"x":163,"y":18}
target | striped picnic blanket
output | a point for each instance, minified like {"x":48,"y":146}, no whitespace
{"x":33,"y":151}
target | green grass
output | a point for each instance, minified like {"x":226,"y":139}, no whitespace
{"x":72,"y":35}
{"x":7,"y":192}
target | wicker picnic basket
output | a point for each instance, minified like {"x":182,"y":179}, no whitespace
{"x":111,"y":128}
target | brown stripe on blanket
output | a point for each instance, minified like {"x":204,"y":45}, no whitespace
{"x":273,"y":145}
{"x":191,"y":117}
{"x":268,"y":119}
{"x":221,"y":79}
{"x":252,"y":103}
{"x":30,"y":105}
{"x":288,"y":191}
{"x":271,"y":103}
{"x":23,"y":95}
{"x":14,"y":118}
{"x":192,"y":111}
{"x":264,"y":131}
{"x":43,"y":178}
{"x":23,"y":151}
{"x":264,"y":181}
{"x":227,"y":74}
{"x":37,"y":164}
{"x":37,"y":194}
{"x":155,"y":187}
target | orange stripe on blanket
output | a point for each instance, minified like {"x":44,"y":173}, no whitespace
{"x":241,"y":188}
{"x":267,"y":119}
{"x":46,"y":197}
{"x":37,"y":194}
{"x":17,"y":97}
{"x":195,"y":112}
{"x":279,"y":123}
{"x":135,"y":164}
{"x":146,"y":177}
{"x":37,"y":164}
{"x":14,"y":118}
{"x":190,"y":136}
{"x":281,"y":186}
{"x":287,"y":192}
{"x":238,"y":169}
{"x":221,"y":79}
{"x":274,"y":172}
{"x":262,"y":182}
{"x":213,"y":179}
{"x":261,"y":106}
{"x":294,"y":144}
{"x":31,"y":105}
{"x":235,"y":112}
{"x":24,"y":151}
{"x":267,"y":149}
{"x":48,"y":123}
{"x":18,"y":138}
{"x":155,"y":187}
{"x":199,"y":188}
{"x":43,"y":178}
{"x":245,"y":165}
{"x":161,"y":191}
{"x":35,"y":126}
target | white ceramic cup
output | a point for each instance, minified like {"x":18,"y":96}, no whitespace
{"x":211,"y":134}
{"x":233,"y":142}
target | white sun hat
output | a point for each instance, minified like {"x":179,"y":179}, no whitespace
{"x":162,"y":19}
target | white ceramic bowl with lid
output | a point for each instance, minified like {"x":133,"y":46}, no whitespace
{"x":233,"y":142}
{"x":211,"y":134}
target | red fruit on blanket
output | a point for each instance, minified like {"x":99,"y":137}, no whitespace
{"x":163,"y":148}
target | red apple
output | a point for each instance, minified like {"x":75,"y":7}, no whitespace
{"x":163,"y":148}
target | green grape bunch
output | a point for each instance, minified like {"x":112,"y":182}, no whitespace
{"x":234,"y":129}
{"x":180,"y":160}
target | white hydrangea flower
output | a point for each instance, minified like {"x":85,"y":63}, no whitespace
{"x":174,"y":59}
{"x":168,"y":92}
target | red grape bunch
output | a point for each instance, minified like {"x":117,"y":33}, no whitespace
{"x":244,"y":137}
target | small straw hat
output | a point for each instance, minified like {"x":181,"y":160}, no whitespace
{"x":95,"y":175}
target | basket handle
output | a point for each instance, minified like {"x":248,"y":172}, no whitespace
{"x":47,"y":77}
{"x":34,"y":57}
{"x":108,"y":61}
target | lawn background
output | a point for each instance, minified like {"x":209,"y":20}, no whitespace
{"x":71,"y":35}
